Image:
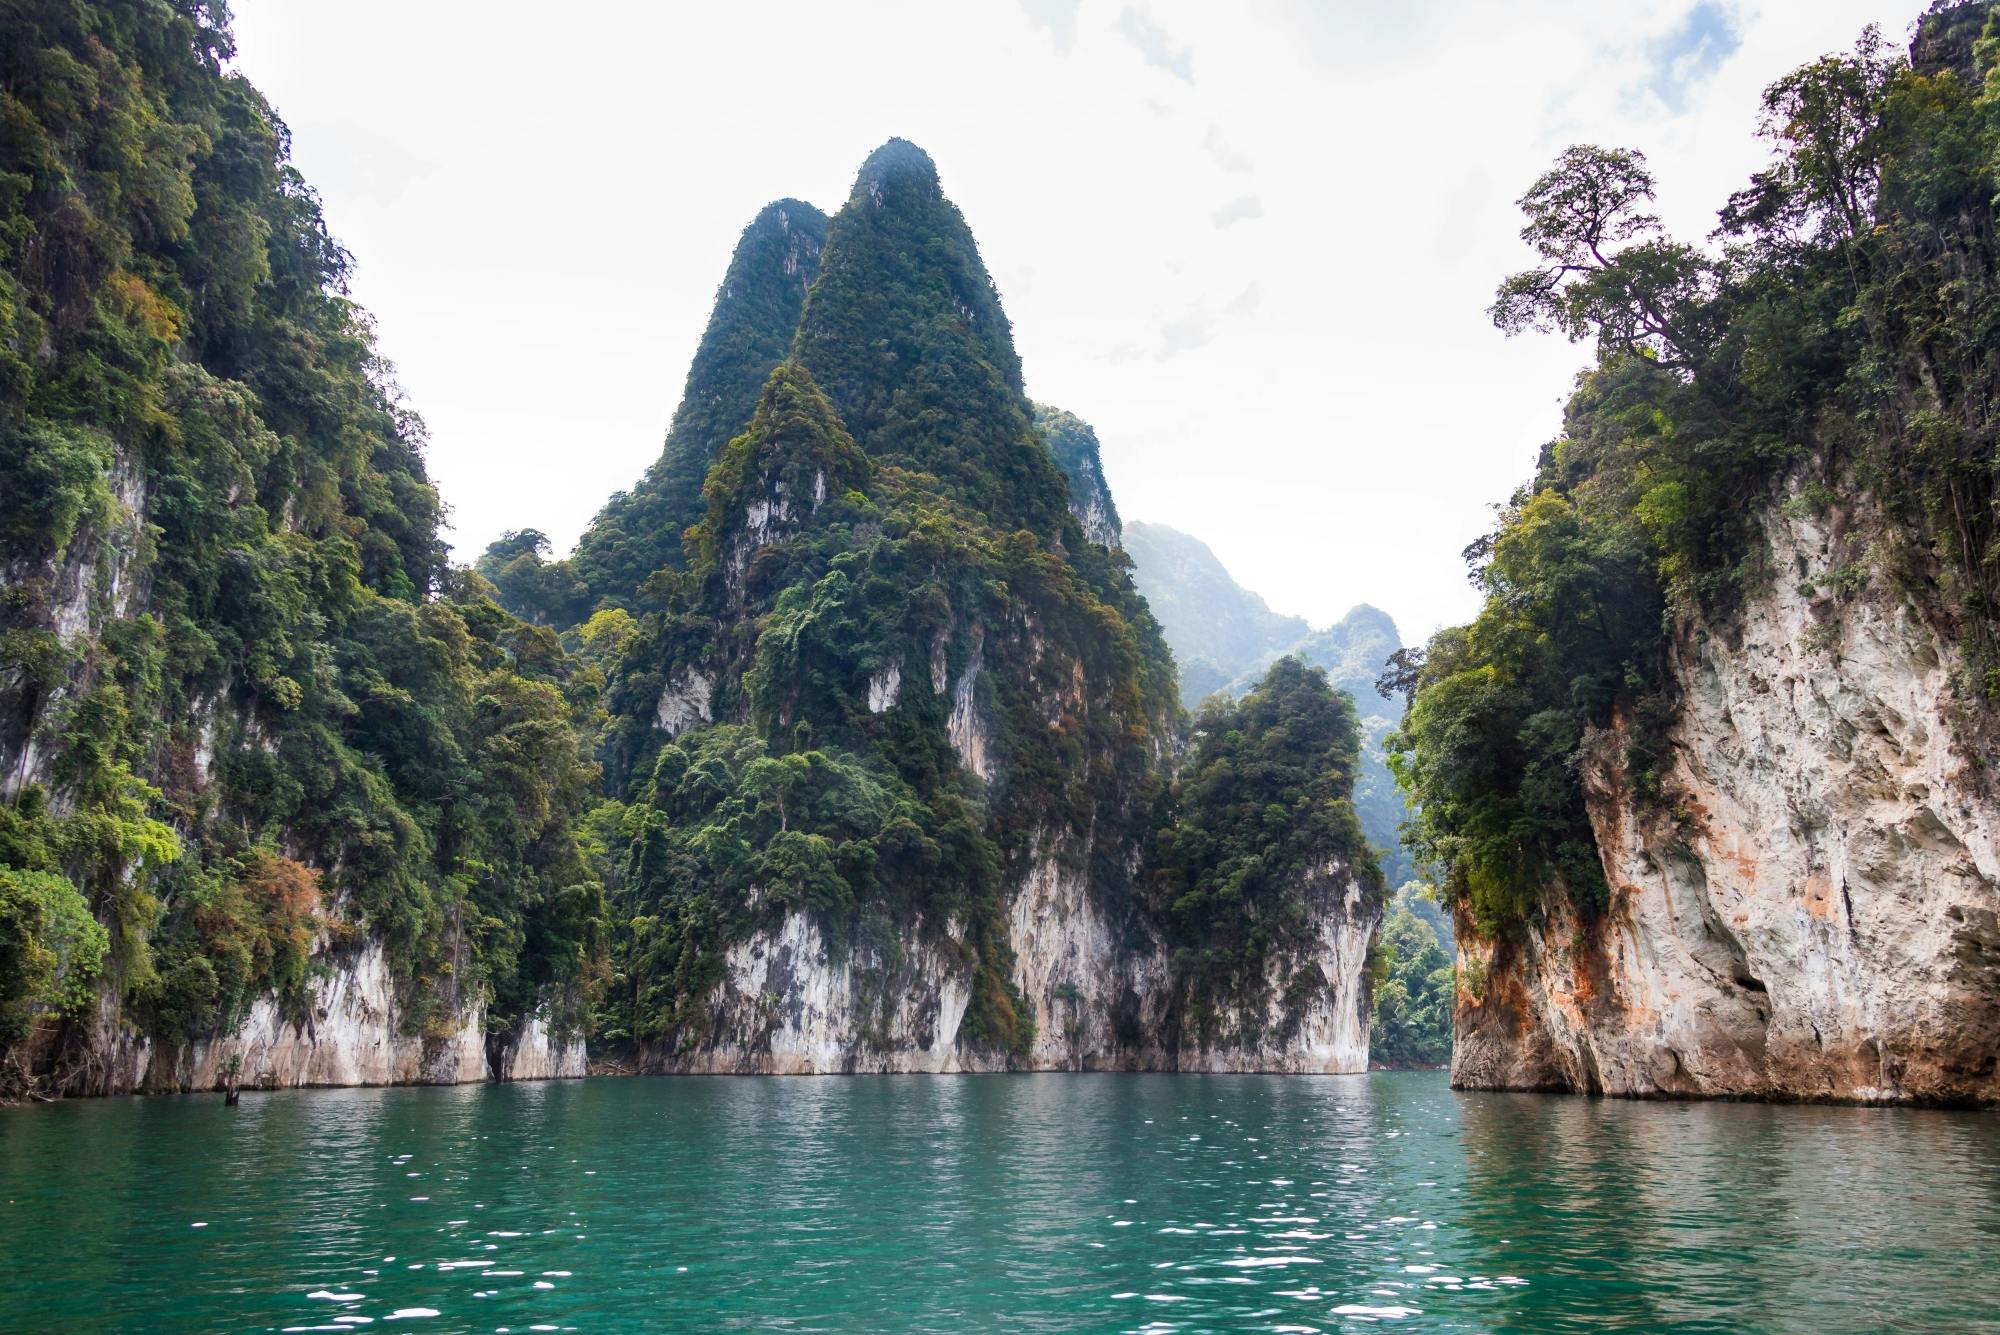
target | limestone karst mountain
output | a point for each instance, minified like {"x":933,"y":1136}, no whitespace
{"x":896,"y":737}
{"x":857,"y":751}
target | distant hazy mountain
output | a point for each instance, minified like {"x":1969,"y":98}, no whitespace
{"x":1353,"y":651}
{"x":1224,"y":637}
{"x":1219,"y":630}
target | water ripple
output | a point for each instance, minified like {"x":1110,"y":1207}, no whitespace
{"x":1058,"y":1203}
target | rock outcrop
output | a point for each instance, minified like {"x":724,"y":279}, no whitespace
{"x":347,"y":1035}
{"x":1073,"y":445}
{"x":1811,"y":908}
{"x":284,"y":799}
{"x":352,"y":1028}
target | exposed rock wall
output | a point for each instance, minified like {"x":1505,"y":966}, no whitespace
{"x":1072,"y":443}
{"x":99,"y":579}
{"x":1817,"y":913}
{"x":538,"y":1052}
{"x":1097,"y":1004}
{"x":1100,"y":991}
{"x":1314,"y":1017}
{"x":350,"y":1032}
{"x":1099,"y":520}
{"x":794,"y":1004}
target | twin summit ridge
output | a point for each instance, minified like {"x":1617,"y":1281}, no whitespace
{"x":858,"y":587}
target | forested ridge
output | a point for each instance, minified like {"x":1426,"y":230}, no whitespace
{"x":1831,"y":351}
{"x":1263,"y":807}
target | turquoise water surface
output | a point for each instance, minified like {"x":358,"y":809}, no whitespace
{"x":1027,"y":1203}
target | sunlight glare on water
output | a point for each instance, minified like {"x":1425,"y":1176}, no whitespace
{"x":1044,"y":1203}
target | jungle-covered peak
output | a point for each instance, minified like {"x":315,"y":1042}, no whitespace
{"x":898,"y":163}
{"x":904,"y":331}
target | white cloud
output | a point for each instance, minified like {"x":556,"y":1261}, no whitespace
{"x":1238,"y":209}
{"x":1227,"y":156}
{"x":540,"y":208}
{"x":1156,"y":44}
{"x":1058,"y":16}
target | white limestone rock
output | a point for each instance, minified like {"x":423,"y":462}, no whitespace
{"x":684,"y":702}
{"x":1820,"y":918}
{"x":884,"y":688}
{"x":1099,"y":992}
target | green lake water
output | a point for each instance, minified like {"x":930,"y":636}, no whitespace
{"x":1021,"y":1203}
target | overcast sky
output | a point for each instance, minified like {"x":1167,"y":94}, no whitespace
{"x":1251,"y":243}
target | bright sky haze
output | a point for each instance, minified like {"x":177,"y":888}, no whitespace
{"x":1252,"y":244}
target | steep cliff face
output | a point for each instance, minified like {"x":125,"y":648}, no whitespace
{"x":793,"y":1003}
{"x":1313,"y":1019}
{"x":357,"y":1019}
{"x":1709,"y":777}
{"x":352,"y":1028}
{"x":1811,"y":908}
{"x":1100,"y":993}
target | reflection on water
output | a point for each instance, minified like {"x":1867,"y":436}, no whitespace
{"x":1041,"y":1203}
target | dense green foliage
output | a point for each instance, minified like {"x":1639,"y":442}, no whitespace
{"x":1260,"y":822}
{"x":905,"y":333}
{"x":728,"y":837}
{"x":640,"y":531}
{"x":1835,"y":354}
{"x":242,"y":701}
{"x":1354,"y":651}
{"x":1413,"y":984}
{"x":50,"y":949}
